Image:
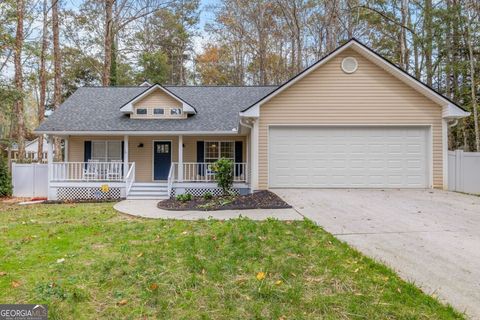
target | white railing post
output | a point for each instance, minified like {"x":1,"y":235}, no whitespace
{"x":171,"y":178}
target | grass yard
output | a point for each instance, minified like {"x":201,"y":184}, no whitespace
{"x":89,"y":262}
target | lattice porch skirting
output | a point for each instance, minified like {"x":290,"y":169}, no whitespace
{"x":87,"y":193}
{"x":200,"y":191}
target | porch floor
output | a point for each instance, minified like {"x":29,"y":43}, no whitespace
{"x":148,"y":209}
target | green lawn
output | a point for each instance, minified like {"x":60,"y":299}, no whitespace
{"x":118,"y":267}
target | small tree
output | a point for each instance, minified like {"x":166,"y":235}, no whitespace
{"x":224,"y":174}
{"x":5,"y":179}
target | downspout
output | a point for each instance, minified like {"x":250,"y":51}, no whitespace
{"x":455,"y":122}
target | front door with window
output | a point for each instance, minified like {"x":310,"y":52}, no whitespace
{"x":162,"y":159}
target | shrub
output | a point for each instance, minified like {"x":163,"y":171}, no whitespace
{"x":5,"y":179}
{"x":208,"y":196}
{"x":224,"y":174}
{"x":184,"y":197}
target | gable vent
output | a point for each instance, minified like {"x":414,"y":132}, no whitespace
{"x":349,"y":65}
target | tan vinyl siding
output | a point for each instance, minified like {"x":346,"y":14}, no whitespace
{"x":157,"y":99}
{"x":143,"y":157}
{"x":368,"y":96}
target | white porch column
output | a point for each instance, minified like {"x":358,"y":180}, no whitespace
{"x":254,"y":155}
{"x":180,"y":158}
{"x":125,"y":155}
{"x":51,"y":191}
{"x":65,"y":158}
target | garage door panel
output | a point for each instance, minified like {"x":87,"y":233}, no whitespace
{"x":340,"y":157}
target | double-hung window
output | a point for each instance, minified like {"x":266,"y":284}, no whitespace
{"x":105,"y":151}
{"x":215,"y":150}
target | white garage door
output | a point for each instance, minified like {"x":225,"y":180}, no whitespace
{"x":348,"y":157}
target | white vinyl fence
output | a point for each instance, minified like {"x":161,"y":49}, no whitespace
{"x":464,"y":171}
{"x":30,"y":180}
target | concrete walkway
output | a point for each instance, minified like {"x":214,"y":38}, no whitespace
{"x":430,"y":237}
{"x":148,"y":209}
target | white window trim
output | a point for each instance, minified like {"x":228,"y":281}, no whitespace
{"x":158,"y":114}
{"x":141,"y":114}
{"x":175,"y":108}
{"x":219,"y":148}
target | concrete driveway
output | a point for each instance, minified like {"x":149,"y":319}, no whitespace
{"x":430,"y":237}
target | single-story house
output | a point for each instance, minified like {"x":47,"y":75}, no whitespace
{"x":31,"y":151}
{"x":351,"y":120}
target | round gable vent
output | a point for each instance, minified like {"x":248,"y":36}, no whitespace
{"x":349,"y":65}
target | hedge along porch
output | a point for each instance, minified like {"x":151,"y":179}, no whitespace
{"x":154,"y":166}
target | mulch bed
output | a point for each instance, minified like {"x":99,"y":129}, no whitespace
{"x":258,"y":200}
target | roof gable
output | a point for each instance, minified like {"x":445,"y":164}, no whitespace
{"x":450,"y":108}
{"x":129,"y":106}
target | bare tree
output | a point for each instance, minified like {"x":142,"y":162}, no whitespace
{"x":17,"y":57}
{"x":43,"y":78}
{"x":428,"y":28}
{"x":108,"y":42}
{"x":473,"y":85}
{"x":57,"y":65}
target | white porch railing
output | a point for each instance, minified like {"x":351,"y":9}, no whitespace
{"x":170,"y":180}
{"x":90,"y":171}
{"x":202,"y":172}
{"x":130,"y":178}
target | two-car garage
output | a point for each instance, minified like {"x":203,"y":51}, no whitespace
{"x":349,"y":157}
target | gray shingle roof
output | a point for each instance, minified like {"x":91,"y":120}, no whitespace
{"x":98,"y":109}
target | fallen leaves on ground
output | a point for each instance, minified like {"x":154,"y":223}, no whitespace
{"x":15,"y":284}
{"x":122,"y":302}
{"x":261,"y":275}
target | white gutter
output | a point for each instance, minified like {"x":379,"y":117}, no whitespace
{"x":136,"y":133}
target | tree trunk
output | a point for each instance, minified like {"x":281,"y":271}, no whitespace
{"x":403,"y":36}
{"x":428,"y":41}
{"x":108,"y":42}
{"x":57,"y":66}
{"x":43,"y":79}
{"x":473,"y":86}
{"x":17,"y":57}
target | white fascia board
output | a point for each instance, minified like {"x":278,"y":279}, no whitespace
{"x":451,"y":111}
{"x":253,"y":112}
{"x":138,"y":133}
{"x":128,"y":108}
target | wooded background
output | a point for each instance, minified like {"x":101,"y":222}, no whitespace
{"x":49,"y":48}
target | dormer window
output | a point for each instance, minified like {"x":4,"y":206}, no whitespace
{"x":142,"y":111}
{"x":159,"y":111}
{"x":176,"y":111}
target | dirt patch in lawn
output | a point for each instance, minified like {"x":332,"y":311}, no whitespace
{"x":258,"y":200}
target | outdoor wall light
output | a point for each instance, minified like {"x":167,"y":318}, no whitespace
{"x":140,"y":145}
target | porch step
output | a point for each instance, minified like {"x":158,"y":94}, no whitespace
{"x":145,"y":190}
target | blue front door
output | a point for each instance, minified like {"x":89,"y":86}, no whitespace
{"x":162,"y":159}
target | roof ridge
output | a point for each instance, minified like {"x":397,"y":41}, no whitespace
{"x":185,"y":86}
{"x":222,"y":85}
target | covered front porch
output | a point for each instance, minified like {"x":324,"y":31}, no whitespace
{"x":148,"y":166}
